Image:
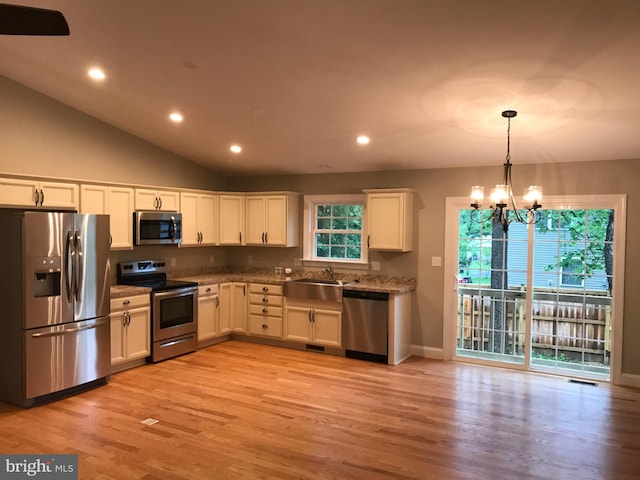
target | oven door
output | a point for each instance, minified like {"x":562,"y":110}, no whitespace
{"x":175,"y":313}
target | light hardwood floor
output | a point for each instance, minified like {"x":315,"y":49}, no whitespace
{"x":243,"y":410}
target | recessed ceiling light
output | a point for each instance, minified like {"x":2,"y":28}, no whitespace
{"x":363,"y":140}
{"x":235,"y":148}
{"x":97,"y":74}
{"x":175,"y":117}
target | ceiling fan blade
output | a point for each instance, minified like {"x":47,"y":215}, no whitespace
{"x":21,"y":20}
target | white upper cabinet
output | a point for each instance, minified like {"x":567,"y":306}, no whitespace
{"x":115,"y":201}
{"x":272,"y":219}
{"x":199,"y":218}
{"x":231,"y":219}
{"x":390,"y":219}
{"x":36,"y":193}
{"x":163,"y":200}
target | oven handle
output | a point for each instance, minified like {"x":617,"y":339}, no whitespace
{"x":178,"y":292}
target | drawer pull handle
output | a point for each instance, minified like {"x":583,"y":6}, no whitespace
{"x":126,"y":302}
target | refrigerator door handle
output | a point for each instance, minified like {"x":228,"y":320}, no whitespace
{"x":78,"y":266}
{"x":69,"y":257}
{"x":67,"y":331}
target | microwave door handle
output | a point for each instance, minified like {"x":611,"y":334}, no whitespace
{"x":68,"y":260}
{"x":78,"y":266}
{"x":174,"y":228}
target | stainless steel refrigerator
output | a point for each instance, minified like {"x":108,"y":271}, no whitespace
{"x":54,"y":299}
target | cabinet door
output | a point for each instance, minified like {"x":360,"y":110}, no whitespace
{"x":255,"y":225}
{"x":117,"y":321}
{"x":17,"y":192}
{"x":169,"y":201}
{"x":64,"y":195}
{"x":189,"y":210}
{"x":121,"y":212}
{"x":146,"y":199}
{"x":390,"y":220}
{"x":94,"y":199}
{"x":207,"y":317}
{"x":138,"y":333}
{"x":297,"y":324}
{"x":208,"y":219}
{"x":239,"y":307}
{"x":226,"y":307}
{"x":276,"y":219}
{"x":327,"y":327}
{"x":231,"y":219}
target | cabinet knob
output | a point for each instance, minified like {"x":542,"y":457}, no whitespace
{"x":265,"y":299}
{"x":265,"y":289}
{"x":264,"y":325}
{"x":126,"y":302}
{"x":208,"y":289}
{"x":265,"y":310}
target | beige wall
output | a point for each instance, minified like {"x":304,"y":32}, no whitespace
{"x":42,"y":137}
{"x":433,"y":186}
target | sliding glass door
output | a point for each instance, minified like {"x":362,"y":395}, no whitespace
{"x":538,"y":296}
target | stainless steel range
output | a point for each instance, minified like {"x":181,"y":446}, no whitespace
{"x":174,"y":308}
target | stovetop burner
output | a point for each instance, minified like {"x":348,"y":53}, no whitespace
{"x":149,"y":273}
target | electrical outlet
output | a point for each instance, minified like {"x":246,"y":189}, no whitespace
{"x":249,"y":259}
{"x":210,"y":259}
{"x":375,"y":265}
{"x":296,"y":262}
{"x":173,"y":262}
{"x":436,"y":261}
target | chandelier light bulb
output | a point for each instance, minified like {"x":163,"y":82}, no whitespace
{"x":477,"y":195}
{"x":533,"y":195}
{"x":500,"y":194}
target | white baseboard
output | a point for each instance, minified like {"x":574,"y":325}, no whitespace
{"x":427,"y":352}
{"x":630,"y":380}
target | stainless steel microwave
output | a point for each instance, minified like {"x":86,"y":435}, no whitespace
{"x":157,"y":228}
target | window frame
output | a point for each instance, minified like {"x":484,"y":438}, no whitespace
{"x":308,"y":244}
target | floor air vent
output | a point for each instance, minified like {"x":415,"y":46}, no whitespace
{"x":583,"y":382}
{"x":317,"y":348}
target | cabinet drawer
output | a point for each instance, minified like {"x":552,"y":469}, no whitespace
{"x":207,"y":290}
{"x":265,"y":311}
{"x":265,"y":326}
{"x":127,"y":303}
{"x":260,"y":299}
{"x":264,"y":289}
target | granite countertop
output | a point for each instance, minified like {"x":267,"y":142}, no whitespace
{"x":119,"y":291}
{"x":368,"y":283}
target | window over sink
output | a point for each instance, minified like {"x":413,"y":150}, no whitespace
{"x":334,"y":229}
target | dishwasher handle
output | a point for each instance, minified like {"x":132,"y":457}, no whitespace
{"x":380,"y":296}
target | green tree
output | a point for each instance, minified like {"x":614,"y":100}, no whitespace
{"x":590,"y":239}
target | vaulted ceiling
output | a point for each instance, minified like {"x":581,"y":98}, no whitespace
{"x":294,"y":82}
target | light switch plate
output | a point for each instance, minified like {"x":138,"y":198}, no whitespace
{"x":436,"y":261}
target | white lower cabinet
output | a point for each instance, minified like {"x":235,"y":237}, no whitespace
{"x":318,"y":323}
{"x":208,"y":313}
{"x":130,"y":329}
{"x":265,"y":310}
{"x":233,"y":307}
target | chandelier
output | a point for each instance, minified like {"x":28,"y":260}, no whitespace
{"x":502,"y":194}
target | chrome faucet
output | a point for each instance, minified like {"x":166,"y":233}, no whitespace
{"x":329,"y":269}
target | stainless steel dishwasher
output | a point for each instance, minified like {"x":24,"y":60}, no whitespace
{"x":365,"y":317}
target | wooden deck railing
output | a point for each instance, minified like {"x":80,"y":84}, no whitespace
{"x":572,"y":326}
